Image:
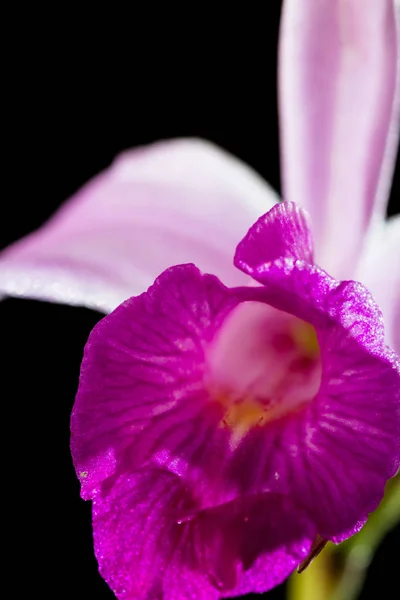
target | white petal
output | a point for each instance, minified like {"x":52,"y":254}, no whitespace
{"x":379,"y":270}
{"x":339,"y":111}
{"x":173,"y":202}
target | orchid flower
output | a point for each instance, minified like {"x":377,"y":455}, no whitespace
{"x":225,"y":422}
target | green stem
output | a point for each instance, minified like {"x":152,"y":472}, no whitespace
{"x":322,"y":581}
{"x":315,"y":583}
{"x":360,"y":549}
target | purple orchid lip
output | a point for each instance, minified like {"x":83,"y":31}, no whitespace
{"x":263,"y":364}
{"x":222,"y":428}
{"x":283,"y":392}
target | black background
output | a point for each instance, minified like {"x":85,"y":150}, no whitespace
{"x":81,"y":89}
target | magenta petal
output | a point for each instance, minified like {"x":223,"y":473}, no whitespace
{"x":142,"y":550}
{"x":149,"y":394}
{"x":169,"y":203}
{"x":148,"y":549}
{"x":142,"y":397}
{"x":345,"y":445}
{"x":259,"y":540}
{"x":142,"y":375}
{"x":339,"y":118}
{"x":283,"y":232}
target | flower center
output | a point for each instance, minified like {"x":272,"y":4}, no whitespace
{"x":262,"y":365}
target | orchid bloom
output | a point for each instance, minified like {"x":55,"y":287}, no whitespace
{"x":225,"y":422}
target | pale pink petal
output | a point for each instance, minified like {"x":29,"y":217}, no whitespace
{"x":379,"y":270}
{"x":339,"y":118}
{"x":171,"y":202}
